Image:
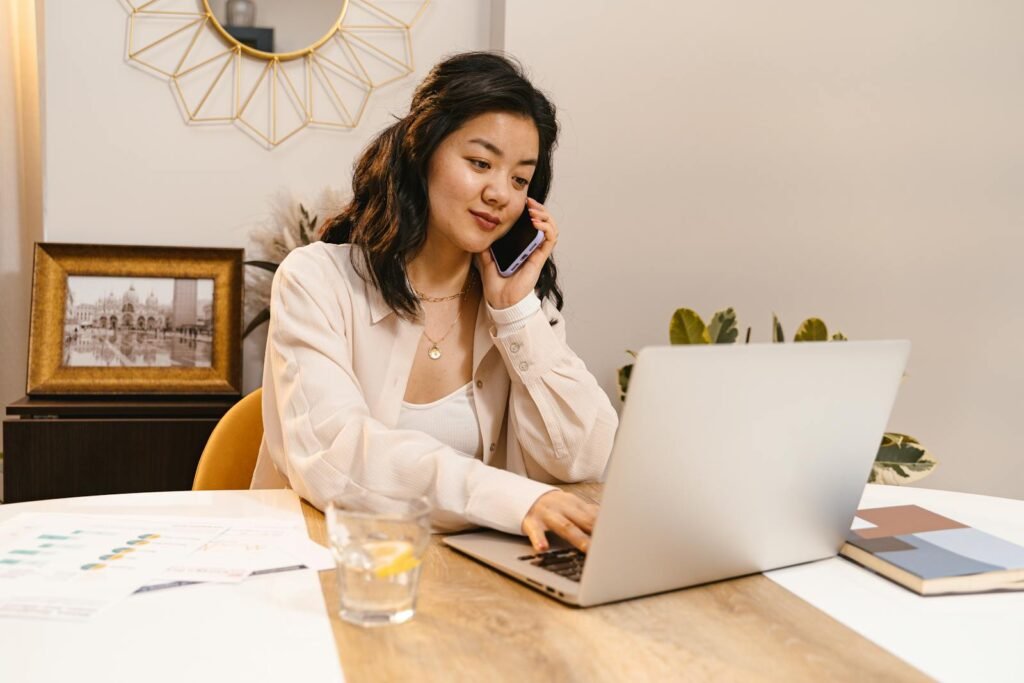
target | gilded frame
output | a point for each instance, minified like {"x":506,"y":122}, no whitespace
{"x":54,"y":263}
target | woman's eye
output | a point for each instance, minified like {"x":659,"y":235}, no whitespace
{"x":478,"y":163}
{"x":522,"y":182}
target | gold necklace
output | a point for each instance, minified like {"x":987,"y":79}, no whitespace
{"x":441,"y":299}
{"x":434,"y":352}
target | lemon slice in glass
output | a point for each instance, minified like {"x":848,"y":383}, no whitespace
{"x":391,"y":557}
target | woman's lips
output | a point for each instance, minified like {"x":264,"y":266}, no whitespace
{"x":484,"y":222}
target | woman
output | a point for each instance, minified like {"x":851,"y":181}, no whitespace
{"x":399,"y":360}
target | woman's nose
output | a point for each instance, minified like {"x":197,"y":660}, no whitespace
{"x":495,"y":194}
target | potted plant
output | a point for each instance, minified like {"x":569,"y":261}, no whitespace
{"x":289,"y":225}
{"x":901,"y":459}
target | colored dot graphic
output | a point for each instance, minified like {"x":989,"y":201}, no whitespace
{"x":143,"y":539}
{"x":92,"y":566}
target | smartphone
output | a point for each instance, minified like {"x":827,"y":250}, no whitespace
{"x":512,"y":249}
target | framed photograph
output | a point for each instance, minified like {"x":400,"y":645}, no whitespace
{"x":121,"y":320}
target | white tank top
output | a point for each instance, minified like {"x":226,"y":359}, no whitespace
{"x":452,"y":420}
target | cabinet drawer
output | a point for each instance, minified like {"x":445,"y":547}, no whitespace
{"x":59,"y":458}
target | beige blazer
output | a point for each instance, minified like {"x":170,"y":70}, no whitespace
{"x":337,"y":363}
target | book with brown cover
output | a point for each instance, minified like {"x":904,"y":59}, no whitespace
{"x":934,"y":555}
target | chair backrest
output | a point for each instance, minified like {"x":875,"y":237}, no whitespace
{"x":229,"y":458}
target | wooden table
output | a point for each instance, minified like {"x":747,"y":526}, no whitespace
{"x":473,"y":623}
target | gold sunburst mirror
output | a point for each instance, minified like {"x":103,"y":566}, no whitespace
{"x":273,"y":67}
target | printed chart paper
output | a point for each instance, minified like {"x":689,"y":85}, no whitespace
{"x":64,"y":566}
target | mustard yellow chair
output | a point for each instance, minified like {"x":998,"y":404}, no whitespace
{"x":229,"y":458}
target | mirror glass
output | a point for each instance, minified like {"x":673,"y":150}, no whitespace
{"x":277,"y":26}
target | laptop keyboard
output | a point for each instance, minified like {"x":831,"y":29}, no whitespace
{"x":567,"y":562}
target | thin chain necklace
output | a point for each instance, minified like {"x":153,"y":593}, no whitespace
{"x":434,"y":352}
{"x":441,"y":299}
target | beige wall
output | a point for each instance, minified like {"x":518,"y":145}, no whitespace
{"x":122,"y":168}
{"x":862,"y":162}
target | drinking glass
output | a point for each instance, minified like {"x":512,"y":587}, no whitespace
{"x":378,"y":543}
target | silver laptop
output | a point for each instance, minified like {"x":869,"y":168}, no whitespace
{"x":729,"y":460}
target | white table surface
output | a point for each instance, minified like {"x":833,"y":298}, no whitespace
{"x":951,"y":638}
{"x":267,"y":628}
{"x":275,"y":627}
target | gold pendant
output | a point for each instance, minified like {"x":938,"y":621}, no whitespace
{"x":434,"y":352}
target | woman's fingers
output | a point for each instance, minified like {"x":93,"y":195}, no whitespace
{"x":541,"y":254}
{"x":541,"y":217}
{"x":534,"y":529}
{"x":583,"y":515}
{"x":568,"y":529}
{"x":564,"y":514}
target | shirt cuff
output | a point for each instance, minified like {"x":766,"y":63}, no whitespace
{"x":502,"y":503}
{"x":514,"y":317}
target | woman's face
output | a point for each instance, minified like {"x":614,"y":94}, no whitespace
{"x":477,"y":179}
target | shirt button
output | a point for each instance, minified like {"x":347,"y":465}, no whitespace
{"x":494,"y":447}
{"x":479,"y":384}
{"x":524,"y":366}
{"x":514,"y":347}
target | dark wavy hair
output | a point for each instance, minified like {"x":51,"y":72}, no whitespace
{"x":387,"y":216}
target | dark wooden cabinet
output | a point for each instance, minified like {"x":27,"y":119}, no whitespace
{"x":63,"y":448}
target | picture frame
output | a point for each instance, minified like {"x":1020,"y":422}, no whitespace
{"x":115,"y":320}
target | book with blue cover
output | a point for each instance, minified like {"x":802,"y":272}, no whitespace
{"x":934,"y":555}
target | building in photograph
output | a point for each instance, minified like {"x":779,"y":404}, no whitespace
{"x":184,"y":307}
{"x":125,"y":312}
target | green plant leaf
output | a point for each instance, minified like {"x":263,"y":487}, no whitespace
{"x":901,"y":459}
{"x":723,"y":328}
{"x":777,"y":335}
{"x":632,"y":353}
{"x":624,"y":372}
{"x":812,"y":329}
{"x":260,"y":318}
{"x":898,"y":439}
{"x":903,"y":455}
{"x":839,"y":336}
{"x":686,"y":327}
{"x":899,"y":448}
{"x":265,"y":265}
{"x":899,"y":474}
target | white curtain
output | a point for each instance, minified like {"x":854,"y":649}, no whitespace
{"x":21,"y":205}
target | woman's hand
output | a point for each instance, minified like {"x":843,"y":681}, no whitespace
{"x":502,"y":292}
{"x":567,"y":515}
